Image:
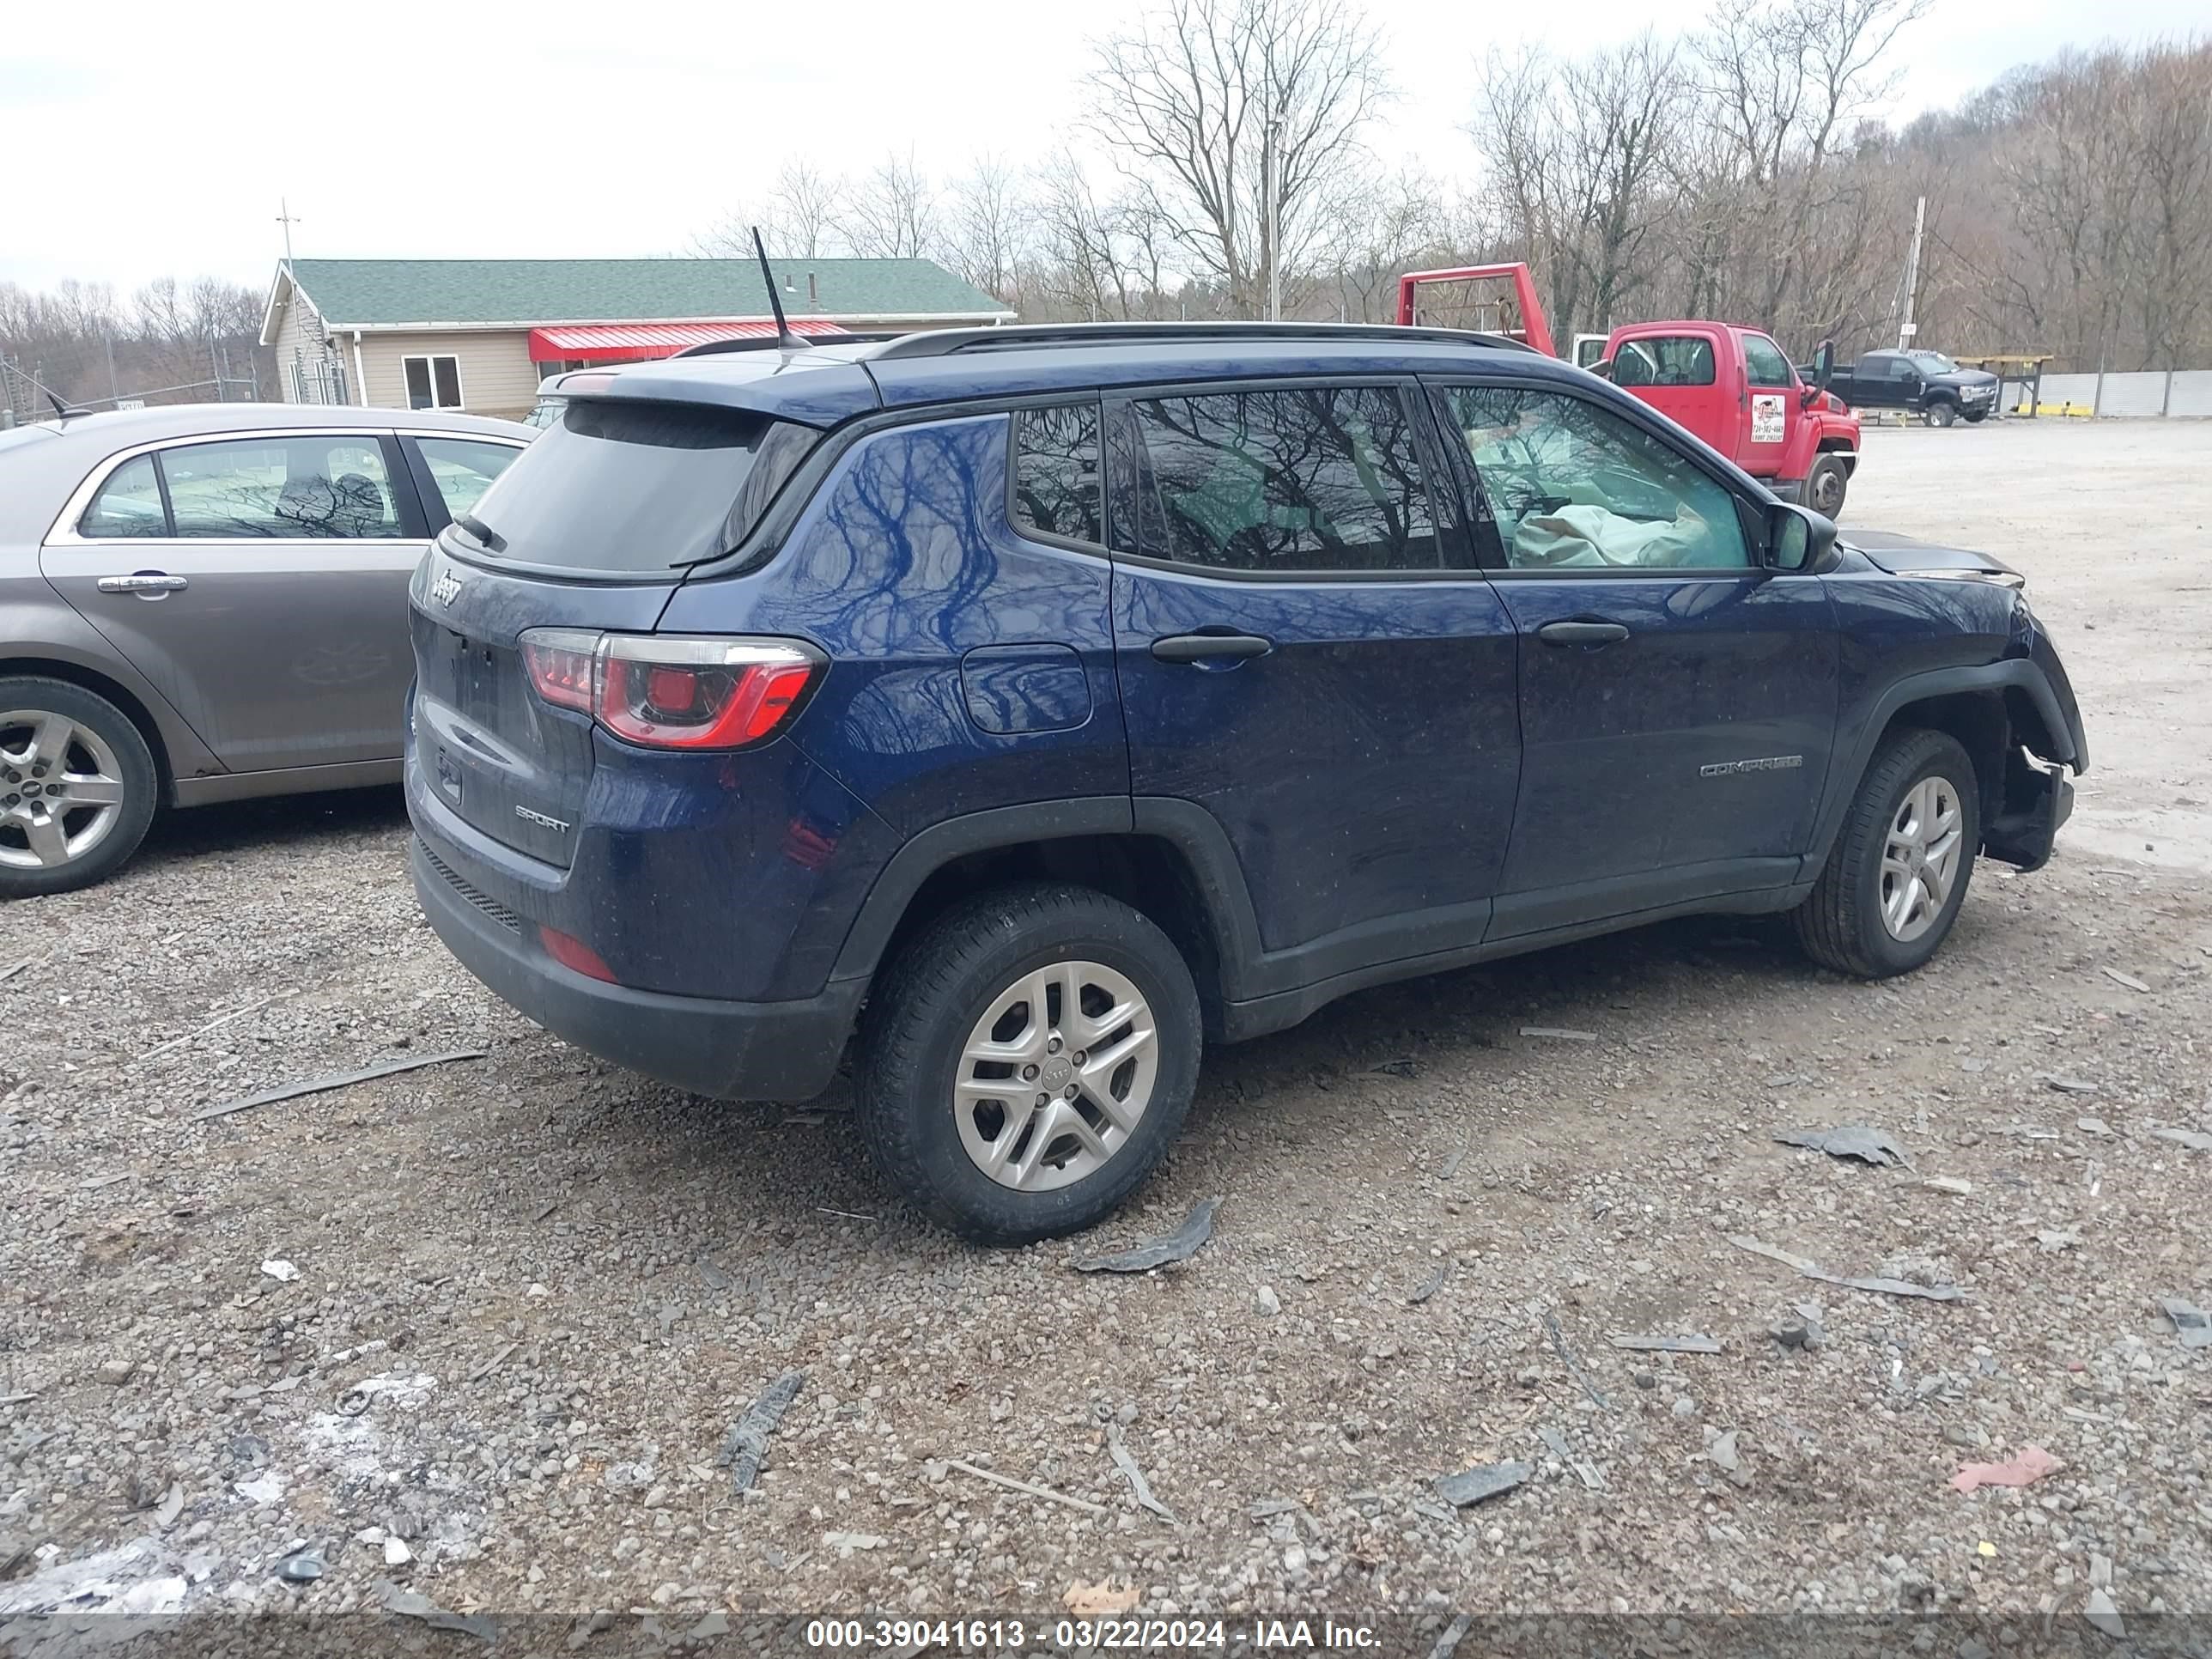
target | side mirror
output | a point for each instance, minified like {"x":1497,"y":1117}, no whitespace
{"x":1603,"y":368}
{"x":1797,"y":539}
{"x":1808,"y":396}
{"x":1824,"y":364}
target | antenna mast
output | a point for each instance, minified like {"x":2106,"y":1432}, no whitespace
{"x":784,"y":337}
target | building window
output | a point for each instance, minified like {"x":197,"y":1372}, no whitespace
{"x":433,"y":382}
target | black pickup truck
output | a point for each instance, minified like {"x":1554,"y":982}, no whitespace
{"x":1939,"y":389}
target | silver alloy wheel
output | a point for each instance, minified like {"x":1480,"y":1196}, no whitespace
{"x":1920,"y":860}
{"x":61,"y":789}
{"x":1055,"y":1076}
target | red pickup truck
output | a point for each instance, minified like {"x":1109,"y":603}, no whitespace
{"x":1729,"y":385}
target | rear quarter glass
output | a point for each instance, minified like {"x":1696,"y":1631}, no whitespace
{"x":634,"y":487}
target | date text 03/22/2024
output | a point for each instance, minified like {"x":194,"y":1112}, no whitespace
{"x":1094,"y":1635}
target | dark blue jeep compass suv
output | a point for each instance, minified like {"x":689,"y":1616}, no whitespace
{"x":1034,"y":704}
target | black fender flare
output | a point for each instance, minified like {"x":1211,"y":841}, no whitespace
{"x":1194,"y":831}
{"x":1846,"y":767}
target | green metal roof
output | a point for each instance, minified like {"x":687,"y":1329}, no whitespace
{"x":388,"y":293}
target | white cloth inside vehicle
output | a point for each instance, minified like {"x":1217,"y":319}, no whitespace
{"x":1583,"y":533}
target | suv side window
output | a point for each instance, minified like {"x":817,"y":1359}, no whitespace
{"x":1573,"y":486}
{"x":1764,"y":361}
{"x":1304,"y":479}
{"x":317,"y":488}
{"x":1056,"y":473}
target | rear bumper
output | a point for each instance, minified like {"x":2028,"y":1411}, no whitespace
{"x":732,"y":1050}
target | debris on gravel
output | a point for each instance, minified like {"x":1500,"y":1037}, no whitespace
{"x":1118,"y":1449}
{"x":2029,"y":1466}
{"x":2189,"y":1321}
{"x":1664,"y":1343}
{"x":1030,"y":1487}
{"x":317,"y":1086}
{"x":746,"y":1445}
{"x":1484,"y":1480}
{"x":411,"y":1604}
{"x":1180,"y":1245}
{"x":1883,"y":1285}
{"x":1856,"y":1140}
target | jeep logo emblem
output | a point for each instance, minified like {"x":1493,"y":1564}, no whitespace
{"x":444,"y":588}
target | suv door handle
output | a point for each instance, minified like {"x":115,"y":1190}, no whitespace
{"x":1198,"y":648}
{"x":1582,"y":633}
{"x":145,"y":581}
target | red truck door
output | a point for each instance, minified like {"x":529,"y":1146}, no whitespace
{"x":1676,"y":368}
{"x":1771,"y":403}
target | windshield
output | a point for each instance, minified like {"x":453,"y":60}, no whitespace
{"x":634,"y":487}
{"x":1933,"y":362}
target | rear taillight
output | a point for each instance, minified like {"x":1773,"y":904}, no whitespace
{"x":559,"y":660}
{"x":670,"y":691}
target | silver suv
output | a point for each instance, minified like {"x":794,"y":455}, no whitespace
{"x":206,"y":602}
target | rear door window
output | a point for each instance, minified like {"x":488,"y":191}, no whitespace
{"x":311,"y":488}
{"x":1057,"y":490}
{"x":1305,"y":479}
{"x":129,"y":505}
{"x":625,"y":487}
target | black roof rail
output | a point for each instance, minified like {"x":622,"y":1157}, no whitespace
{"x":1013,"y":337}
{"x":769,"y":343}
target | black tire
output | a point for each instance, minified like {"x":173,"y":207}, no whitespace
{"x":918,"y":1021}
{"x":1974,"y":416}
{"x":1826,"y":485}
{"x":1941,"y":412}
{"x":90,"y":714}
{"x":1840,"y":922}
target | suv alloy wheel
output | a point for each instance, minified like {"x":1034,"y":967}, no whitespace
{"x":1898,"y":873}
{"x":1027,"y":1059}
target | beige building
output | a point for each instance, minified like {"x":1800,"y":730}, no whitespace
{"x":479,"y":334}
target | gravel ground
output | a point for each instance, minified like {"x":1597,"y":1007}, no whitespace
{"x":481,"y":1331}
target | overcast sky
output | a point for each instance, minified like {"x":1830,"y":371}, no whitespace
{"x":459,"y":128}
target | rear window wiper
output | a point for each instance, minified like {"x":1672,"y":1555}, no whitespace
{"x":492,"y":541}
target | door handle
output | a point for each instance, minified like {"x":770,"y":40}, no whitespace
{"x":1200,"y":648}
{"x":1582,"y":633}
{"x":146,"y":581}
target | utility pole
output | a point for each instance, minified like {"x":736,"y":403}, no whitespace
{"x":1906,"y":329}
{"x":285,"y":218}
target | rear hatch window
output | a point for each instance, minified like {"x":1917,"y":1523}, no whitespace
{"x":634,"y":487}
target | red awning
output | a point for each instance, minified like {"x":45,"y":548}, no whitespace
{"x":634,"y":342}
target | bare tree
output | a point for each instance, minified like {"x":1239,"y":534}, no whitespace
{"x":1203,"y":100}
{"x":1396,"y":224}
{"x":798,"y":218}
{"x":988,"y":226}
{"x":1580,"y":153}
{"x":892,"y":213}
